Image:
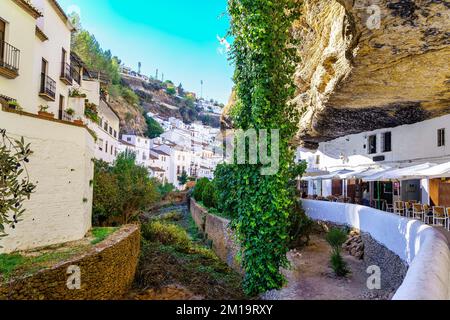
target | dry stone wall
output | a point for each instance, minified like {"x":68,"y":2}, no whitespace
{"x":107,"y":272}
{"x":216,"y":229}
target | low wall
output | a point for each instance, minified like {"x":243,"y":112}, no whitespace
{"x":107,"y":272}
{"x":217,"y":231}
{"x":420,"y":246}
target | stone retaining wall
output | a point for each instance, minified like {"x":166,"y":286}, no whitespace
{"x":420,"y":247}
{"x":217,"y":231}
{"x":107,"y":272}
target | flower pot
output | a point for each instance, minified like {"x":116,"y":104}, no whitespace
{"x":46,"y":114}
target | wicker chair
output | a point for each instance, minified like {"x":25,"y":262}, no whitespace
{"x":418,"y":212}
{"x":399,"y":207}
{"x":439,"y":214}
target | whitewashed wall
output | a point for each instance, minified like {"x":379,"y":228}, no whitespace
{"x":423,"y":248}
{"x":60,"y":209}
{"x":416,"y":142}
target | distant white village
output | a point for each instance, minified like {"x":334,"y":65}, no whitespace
{"x":190,"y":148}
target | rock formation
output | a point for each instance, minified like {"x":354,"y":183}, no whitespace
{"x":362,"y":73}
{"x":370,"y":64}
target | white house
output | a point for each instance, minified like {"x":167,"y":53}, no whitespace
{"x":35,"y":71}
{"x":140,"y":146}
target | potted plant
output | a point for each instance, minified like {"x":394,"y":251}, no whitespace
{"x":43,"y":112}
{"x":78,"y":121}
{"x":13,"y":104}
{"x":70,"y":112}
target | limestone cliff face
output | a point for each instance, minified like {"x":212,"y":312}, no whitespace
{"x":356,"y":77}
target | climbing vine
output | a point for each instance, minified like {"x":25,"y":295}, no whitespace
{"x":261,"y":206}
{"x":15,"y":185}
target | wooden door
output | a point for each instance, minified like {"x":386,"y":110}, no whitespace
{"x":2,"y":39}
{"x":44,"y":66}
{"x":336,"y":188}
{"x":63,"y":62}
{"x":444,"y":194}
{"x":61,"y":107}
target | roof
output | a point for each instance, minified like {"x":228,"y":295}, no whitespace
{"x":126,"y":143}
{"x":28,"y":7}
{"x":153,"y":157}
{"x":160,"y":152}
{"x":156,"y":169}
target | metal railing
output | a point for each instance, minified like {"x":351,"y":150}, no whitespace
{"x":9,"y":57}
{"x":66,"y":72}
{"x":48,"y":86}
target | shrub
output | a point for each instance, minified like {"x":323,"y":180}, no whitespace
{"x":199,"y":187}
{"x":165,"y":188}
{"x":209,"y":195}
{"x":167,"y":234}
{"x":301,"y":227}
{"x":336,"y":238}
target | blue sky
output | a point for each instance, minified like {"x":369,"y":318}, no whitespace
{"x":179,"y":37}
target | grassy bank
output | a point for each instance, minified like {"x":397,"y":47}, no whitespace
{"x":173,"y":254}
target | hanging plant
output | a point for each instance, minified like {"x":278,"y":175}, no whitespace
{"x":265,"y":57}
{"x":15,"y":185}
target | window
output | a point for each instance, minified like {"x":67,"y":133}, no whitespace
{"x":178,"y":169}
{"x":317,"y":159}
{"x":128,"y":139}
{"x":387,"y":141}
{"x":106,"y":147}
{"x":110,"y":131}
{"x":115,"y":134}
{"x":372,"y":144}
{"x":100,"y":122}
{"x":441,"y":137}
{"x":106,"y":126}
{"x":100,"y":144}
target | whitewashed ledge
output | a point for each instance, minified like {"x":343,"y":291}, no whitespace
{"x":423,"y":248}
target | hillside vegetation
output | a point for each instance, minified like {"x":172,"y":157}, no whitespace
{"x":131,"y":97}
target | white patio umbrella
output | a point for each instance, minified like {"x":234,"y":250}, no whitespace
{"x":408,"y":173}
{"x":438,"y":171}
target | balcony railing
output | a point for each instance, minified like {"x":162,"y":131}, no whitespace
{"x":66,"y":73}
{"x":48,"y":88}
{"x":9,"y":60}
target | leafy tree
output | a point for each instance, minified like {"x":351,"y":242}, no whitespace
{"x":15,"y":185}
{"x":199,"y":187}
{"x":171,"y":91}
{"x":183,"y":178}
{"x":122,"y":190}
{"x":209,"y":195}
{"x":264,"y":55}
{"x":154,"y":129}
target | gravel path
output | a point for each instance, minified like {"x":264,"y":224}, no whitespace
{"x":311,"y":278}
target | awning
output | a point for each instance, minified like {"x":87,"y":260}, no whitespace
{"x":407,"y":173}
{"x":438,"y":171}
{"x":332,"y":175}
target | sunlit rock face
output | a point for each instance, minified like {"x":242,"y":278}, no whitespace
{"x":357,"y":77}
